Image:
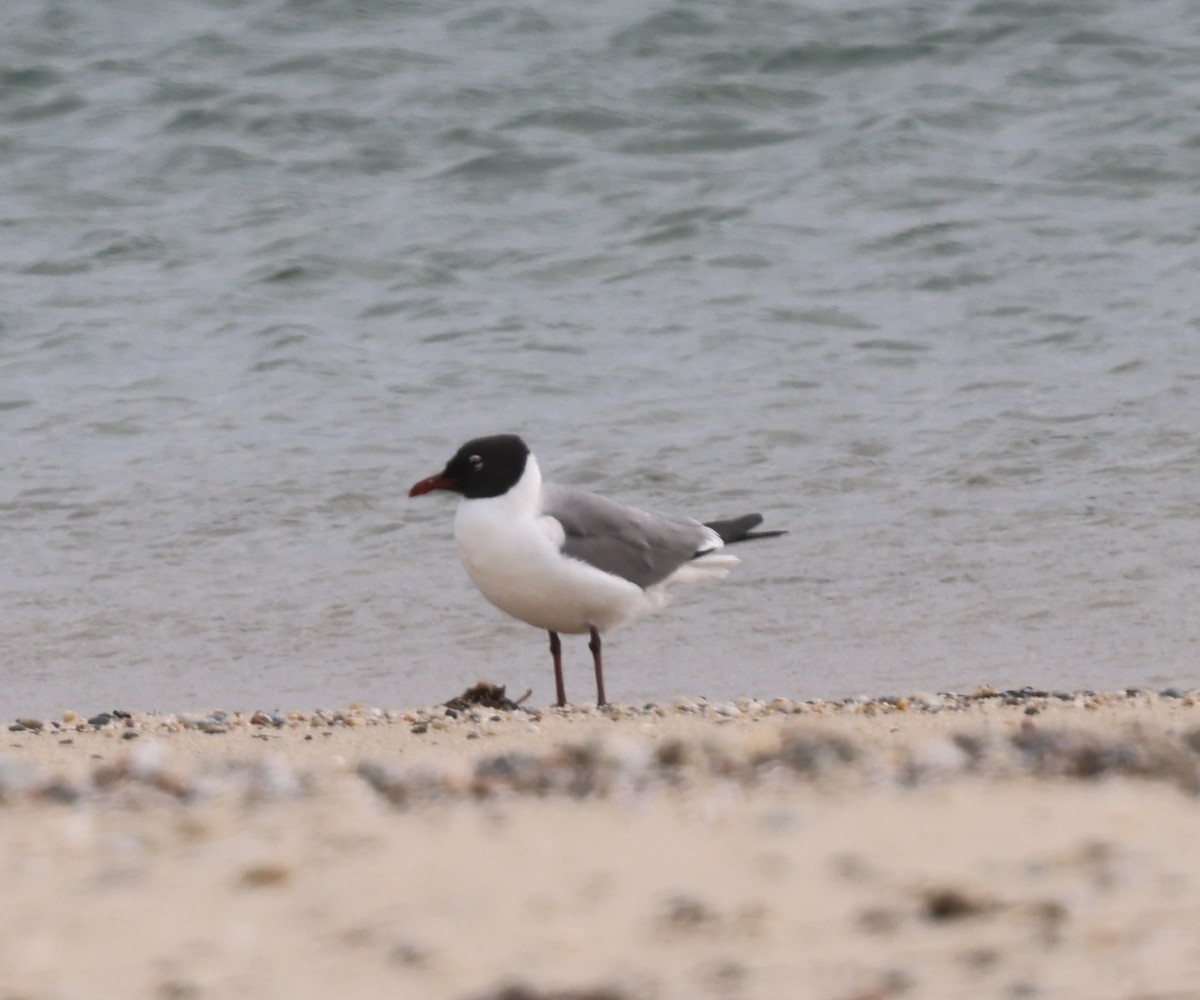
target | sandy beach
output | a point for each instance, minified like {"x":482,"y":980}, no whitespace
{"x":999,"y":844}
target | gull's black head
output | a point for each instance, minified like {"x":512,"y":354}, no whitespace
{"x":481,"y":468}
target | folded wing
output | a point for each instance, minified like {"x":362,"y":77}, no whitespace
{"x":636,"y":545}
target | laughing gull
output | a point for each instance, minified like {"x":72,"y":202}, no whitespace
{"x":565,"y":560}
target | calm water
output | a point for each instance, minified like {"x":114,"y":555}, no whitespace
{"x":917,"y":281}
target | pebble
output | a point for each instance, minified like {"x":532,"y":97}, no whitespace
{"x":937,"y":757}
{"x":266,"y":874}
{"x":271,"y":779}
{"x":180,"y":988}
{"x":408,"y":954}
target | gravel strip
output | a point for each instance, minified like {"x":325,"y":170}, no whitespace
{"x":621,"y":763}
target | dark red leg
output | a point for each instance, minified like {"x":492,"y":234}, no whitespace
{"x":556,"y":652}
{"x":594,"y":646}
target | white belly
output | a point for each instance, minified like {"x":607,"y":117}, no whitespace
{"x":517,"y":565}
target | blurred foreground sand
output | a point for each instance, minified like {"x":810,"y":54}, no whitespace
{"x":847,"y":851}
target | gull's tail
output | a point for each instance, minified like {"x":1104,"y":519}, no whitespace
{"x":741,"y":529}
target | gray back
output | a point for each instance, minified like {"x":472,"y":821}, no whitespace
{"x":636,"y":545}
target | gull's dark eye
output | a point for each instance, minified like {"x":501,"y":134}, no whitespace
{"x":475,"y":462}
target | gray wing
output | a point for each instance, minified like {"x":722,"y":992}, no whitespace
{"x":633,"y":544}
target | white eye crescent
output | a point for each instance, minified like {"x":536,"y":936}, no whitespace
{"x":475,"y":462}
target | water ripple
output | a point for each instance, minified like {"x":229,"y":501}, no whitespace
{"x":915,"y":280}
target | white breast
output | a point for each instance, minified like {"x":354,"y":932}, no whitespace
{"x":512,"y":554}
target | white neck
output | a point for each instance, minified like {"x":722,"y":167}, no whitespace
{"x":526,"y":496}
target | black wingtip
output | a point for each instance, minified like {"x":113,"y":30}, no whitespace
{"x":741,"y":529}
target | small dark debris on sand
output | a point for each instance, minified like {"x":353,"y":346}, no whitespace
{"x":520,"y":991}
{"x":944,"y":905}
{"x":486,"y":695}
